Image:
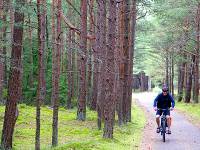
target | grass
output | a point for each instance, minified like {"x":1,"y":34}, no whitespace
{"x":73,"y":134}
{"x":190,"y":109}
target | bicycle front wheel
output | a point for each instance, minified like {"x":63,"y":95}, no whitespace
{"x":163,"y":131}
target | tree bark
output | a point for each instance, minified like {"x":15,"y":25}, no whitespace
{"x":132,"y":49}
{"x":12,"y":18}
{"x":167,"y":69}
{"x":56,"y":76}
{"x":69,"y":71}
{"x":172,"y":75}
{"x":90,"y":49}
{"x":31,"y":48}
{"x":189,"y":81}
{"x":118,"y":88}
{"x":81,"y":112}
{"x":74,"y":68}
{"x":1,"y":50}
{"x":14,"y":85}
{"x":6,"y":2}
{"x":7,"y":10}
{"x":126,"y":59}
{"x":96,"y":62}
{"x":53,"y":38}
{"x":41,"y":92}
{"x":101,"y":51}
{"x":62,"y":60}
{"x":69,"y":68}
{"x":109,"y":103}
{"x":181,"y":78}
{"x":196,"y":63}
{"x":182,"y":72}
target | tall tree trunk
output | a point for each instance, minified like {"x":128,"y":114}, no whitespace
{"x":186,"y":73}
{"x":167,"y":69}
{"x":125,"y":58}
{"x":12,"y":18}
{"x":109,"y":103}
{"x":81,"y":112}
{"x":172,"y":75}
{"x":126,"y":61}
{"x":5,"y":47}
{"x":1,"y":50}
{"x":3,"y":59}
{"x":121,"y":68}
{"x":94,"y":81}
{"x":69,"y":65}
{"x":48,"y":52}
{"x":132,"y":48}
{"x":41,"y":92}
{"x":96,"y":62}
{"x":101,"y":50}
{"x":74,"y":66}
{"x":56,"y":76}
{"x":53,"y":39}
{"x":31,"y":48}
{"x":196,"y":63}
{"x":14,"y":85}
{"x":182,"y":72}
{"x":181,"y":78}
{"x":69,"y":70}
{"x":90,"y":48}
{"x":118,"y":88}
{"x":77,"y":62}
{"x":47,"y":37}
{"x":62,"y":54}
{"x":189,"y":81}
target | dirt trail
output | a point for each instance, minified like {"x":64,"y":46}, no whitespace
{"x":185,"y":136}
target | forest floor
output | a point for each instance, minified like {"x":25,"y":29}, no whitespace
{"x":74,"y":134}
{"x":185,"y":133}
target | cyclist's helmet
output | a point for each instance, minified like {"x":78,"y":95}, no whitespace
{"x":165,"y":88}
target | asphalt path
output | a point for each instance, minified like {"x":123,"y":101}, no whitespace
{"x":185,"y":135}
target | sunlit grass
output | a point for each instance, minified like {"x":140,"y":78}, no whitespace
{"x":73,"y":134}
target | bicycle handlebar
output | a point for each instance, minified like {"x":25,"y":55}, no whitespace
{"x":164,"y":109}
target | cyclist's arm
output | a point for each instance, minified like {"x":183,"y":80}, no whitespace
{"x":172,"y":101}
{"x":155,"y":101}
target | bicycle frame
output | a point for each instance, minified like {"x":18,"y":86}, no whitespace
{"x":163,"y":124}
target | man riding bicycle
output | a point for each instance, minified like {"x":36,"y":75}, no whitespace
{"x":164,"y":100}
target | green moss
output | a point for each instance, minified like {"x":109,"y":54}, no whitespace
{"x":73,"y":134}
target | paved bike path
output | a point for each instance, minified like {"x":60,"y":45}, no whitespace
{"x":185,"y":136}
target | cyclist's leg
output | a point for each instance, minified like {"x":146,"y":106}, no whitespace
{"x":167,"y":113}
{"x":158,"y":120}
{"x":158,"y":114}
{"x":170,"y":121}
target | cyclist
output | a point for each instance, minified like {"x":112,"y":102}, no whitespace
{"x":164,"y":100}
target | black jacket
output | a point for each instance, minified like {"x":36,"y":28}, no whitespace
{"x":164,"y":102}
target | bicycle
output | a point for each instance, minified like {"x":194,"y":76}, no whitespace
{"x":163,"y":124}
